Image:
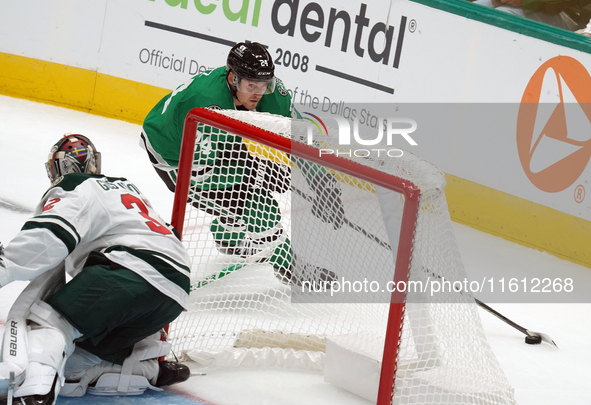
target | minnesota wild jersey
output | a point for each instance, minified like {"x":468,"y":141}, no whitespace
{"x":86,"y":213}
{"x":163,"y":128}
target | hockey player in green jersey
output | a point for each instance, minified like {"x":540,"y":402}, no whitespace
{"x":230,"y":183}
{"x":130,"y":278}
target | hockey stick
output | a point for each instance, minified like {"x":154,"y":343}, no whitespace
{"x":543,"y":336}
{"x":253,"y":259}
{"x":217,"y":276}
{"x":11,"y":206}
{"x":346,"y":221}
{"x":256,"y":258}
{"x":210,"y":206}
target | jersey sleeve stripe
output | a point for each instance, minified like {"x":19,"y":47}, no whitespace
{"x":65,"y":224}
{"x":180,"y":267}
{"x":66,"y":237}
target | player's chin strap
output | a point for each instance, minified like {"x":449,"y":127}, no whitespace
{"x":126,"y":381}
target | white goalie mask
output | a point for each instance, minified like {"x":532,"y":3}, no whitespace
{"x":74,"y":153}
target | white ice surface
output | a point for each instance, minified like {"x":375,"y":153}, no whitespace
{"x":541,"y":375}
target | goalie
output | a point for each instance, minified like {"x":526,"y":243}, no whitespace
{"x":130,"y":278}
{"x":227,"y":181}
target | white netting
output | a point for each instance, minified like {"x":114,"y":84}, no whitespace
{"x":443,"y":355}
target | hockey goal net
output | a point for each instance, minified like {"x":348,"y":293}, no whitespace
{"x":395,"y":234}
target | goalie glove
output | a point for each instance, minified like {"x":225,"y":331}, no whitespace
{"x":328,"y":205}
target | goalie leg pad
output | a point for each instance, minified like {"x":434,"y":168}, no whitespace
{"x":50,"y":342}
{"x":133,"y":384}
{"x":108,"y":385}
{"x":14,"y":354}
{"x":138,"y":372}
{"x":129,"y":379}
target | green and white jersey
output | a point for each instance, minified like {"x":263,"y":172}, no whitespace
{"x":163,"y":127}
{"x":84,"y":213}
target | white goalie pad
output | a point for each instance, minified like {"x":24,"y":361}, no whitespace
{"x":132,"y":378}
{"x":14,"y":357}
{"x":47,"y":352}
{"x":14,"y":354}
{"x":108,"y":384}
{"x":151,"y":348}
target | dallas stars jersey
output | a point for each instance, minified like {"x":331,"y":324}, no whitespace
{"x":85,"y":213}
{"x":163,"y":127}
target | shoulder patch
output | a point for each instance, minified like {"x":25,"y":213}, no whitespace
{"x":281,"y":87}
{"x":214,"y":107}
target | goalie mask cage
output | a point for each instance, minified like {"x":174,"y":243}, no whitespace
{"x":397,"y":227}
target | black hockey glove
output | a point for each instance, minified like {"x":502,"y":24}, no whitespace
{"x":328,"y":205}
{"x":269,"y":175}
{"x":260,"y":173}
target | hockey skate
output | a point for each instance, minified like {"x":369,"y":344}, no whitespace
{"x":300,"y":272}
{"x":171,"y":372}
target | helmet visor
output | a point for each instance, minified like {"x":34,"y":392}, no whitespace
{"x":256,"y":87}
